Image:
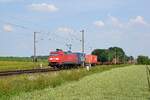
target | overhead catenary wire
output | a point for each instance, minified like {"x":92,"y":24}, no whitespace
{"x":75,"y":37}
{"x":54,"y":36}
{"x":51,"y":36}
{"x":27,"y":28}
{"x":39,"y":31}
{"x":17,"y":25}
{"x":42,"y":32}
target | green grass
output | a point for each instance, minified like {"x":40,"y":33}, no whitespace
{"x":14,"y":85}
{"x":15,"y":59}
{"x":23,"y":59}
{"x":14,"y":65}
{"x":128,"y":83}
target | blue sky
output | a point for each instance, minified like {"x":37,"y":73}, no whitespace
{"x":107,"y":23}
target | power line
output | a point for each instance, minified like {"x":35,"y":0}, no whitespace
{"x":29,"y":29}
{"x":73,"y":38}
{"x":54,"y":33}
{"x":17,"y":25}
{"x":12,"y":17}
{"x":58,"y":36}
{"x":69,"y":46}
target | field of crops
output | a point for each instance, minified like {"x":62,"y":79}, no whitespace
{"x":127,"y":83}
{"x":14,"y":65}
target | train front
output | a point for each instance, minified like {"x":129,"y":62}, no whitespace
{"x":56,"y":58}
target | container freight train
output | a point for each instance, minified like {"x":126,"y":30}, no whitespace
{"x":61,"y":59}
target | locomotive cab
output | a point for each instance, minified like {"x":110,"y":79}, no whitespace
{"x":55,"y":58}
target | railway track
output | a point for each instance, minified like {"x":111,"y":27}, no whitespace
{"x":17,"y":72}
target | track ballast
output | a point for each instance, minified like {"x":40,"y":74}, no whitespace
{"x":17,"y":72}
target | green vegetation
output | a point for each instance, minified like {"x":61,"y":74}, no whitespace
{"x":127,"y":83}
{"x":15,"y":65}
{"x":143,"y":60}
{"x":14,"y":85}
{"x":24,"y":59}
{"x":111,"y":54}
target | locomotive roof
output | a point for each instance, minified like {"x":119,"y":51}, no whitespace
{"x":66,"y":52}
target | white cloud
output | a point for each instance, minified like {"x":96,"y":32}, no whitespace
{"x":138,"y":20}
{"x":115,"y":21}
{"x":7,"y":28}
{"x":43,"y":7}
{"x":65,"y":29}
{"x":99,"y":23}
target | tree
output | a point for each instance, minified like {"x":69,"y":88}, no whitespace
{"x":117,"y":53}
{"x":130,"y":60}
{"x":143,"y":60}
{"x":102,"y":54}
{"x":110,"y":54}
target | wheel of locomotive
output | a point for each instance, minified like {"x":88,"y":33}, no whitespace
{"x":65,"y":67}
{"x":55,"y":67}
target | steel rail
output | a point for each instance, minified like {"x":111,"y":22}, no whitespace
{"x":16,"y":72}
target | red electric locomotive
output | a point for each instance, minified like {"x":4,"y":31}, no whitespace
{"x":62,"y":59}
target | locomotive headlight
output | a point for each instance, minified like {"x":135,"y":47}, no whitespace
{"x":57,"y":58}
{"x":51,"y":58}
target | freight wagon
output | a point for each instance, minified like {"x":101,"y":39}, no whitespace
{"x":91,"y":60}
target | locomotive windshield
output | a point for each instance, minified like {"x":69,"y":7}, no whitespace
{"x":53,"y":54}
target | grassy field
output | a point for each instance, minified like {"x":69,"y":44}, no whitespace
{"x":14,"y":65}
{"x":128,"y":83}
{"x":14,"y":85}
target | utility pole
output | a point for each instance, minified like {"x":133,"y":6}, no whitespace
{"x":34,"y":58}
{"x":82,"y":31}
{"x":115,"y":56}
{"x":124,"y":58}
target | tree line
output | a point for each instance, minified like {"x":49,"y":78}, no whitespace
{"x":112,"y":55}
{"x":144,"y":60}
